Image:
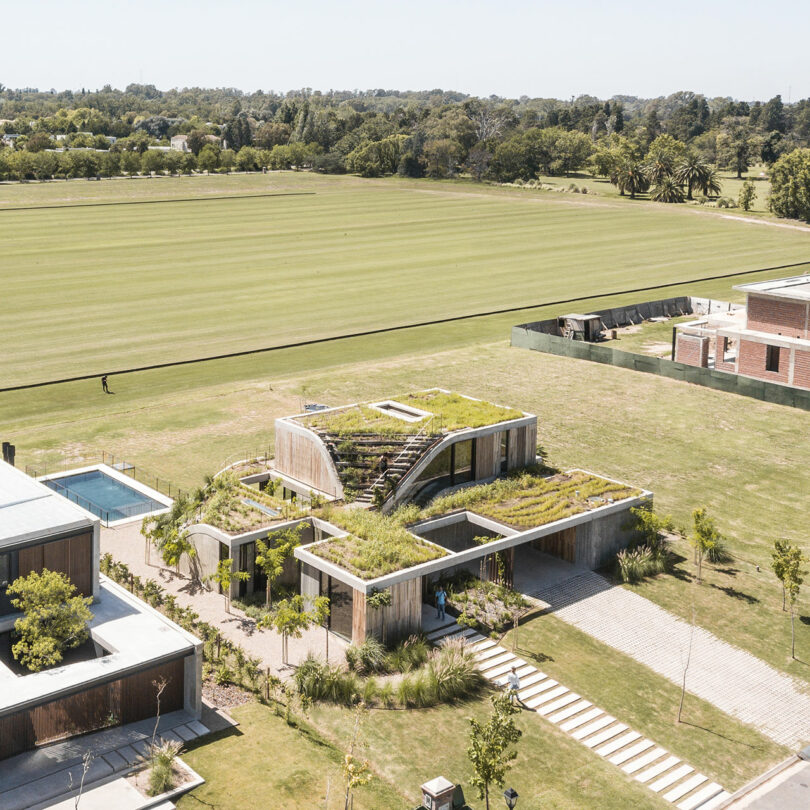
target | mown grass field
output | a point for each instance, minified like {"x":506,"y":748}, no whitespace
{"x":90,"y":289}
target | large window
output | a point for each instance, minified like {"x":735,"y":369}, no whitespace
{"x":772,"y":358}
{"x":341,"y":605}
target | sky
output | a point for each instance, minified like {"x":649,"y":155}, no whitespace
{"x":483,"y":47}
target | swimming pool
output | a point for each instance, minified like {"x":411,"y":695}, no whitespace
{"x":105,"y":494}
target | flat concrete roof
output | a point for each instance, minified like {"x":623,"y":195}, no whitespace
{"x":29,"y":509}
{"x":135,"y":634}
{"x":795,"y":287}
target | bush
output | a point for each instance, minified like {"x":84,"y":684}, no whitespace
{"x":453,"y":670}
{"x":223,"y":675}
{"x":161,"y":761}
{"x":409,"y":654}
{"x":321,"y":681}
{"x":637,"y":563}
{"x":370,"y":656}
{"x":719,"y":553}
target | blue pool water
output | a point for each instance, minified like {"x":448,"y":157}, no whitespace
{"x":103,"y":495}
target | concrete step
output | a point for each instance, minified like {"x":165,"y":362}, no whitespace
{"x":480,"y":646}
{"x":591,"y":728}
{"x":618,"y":743}
{"x":527,"y":674}
{"x":631,"y":752}
{"x":495,"y":661}
{"x":604,"y":736}
{"x":644,"y":760}
{"x":715,"y":802}
{"x":699,"y":799}
{"x":671,"y":778}
{"x":537,"y":688}
{"x":549,"y":708}
{"x":657,"y":769}
{"x":504,"y":669}
{"x":490,"y":653}
{"x":569,"y":711}
{"x":552,"y":694}
{"x":685,"y":787}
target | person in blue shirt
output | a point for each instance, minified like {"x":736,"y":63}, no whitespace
{"x":441,"y":598}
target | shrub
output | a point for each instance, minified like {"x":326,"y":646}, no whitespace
{"x":223,"y":675}
{"x":161,"y":761}
{"x":370,"y":656}
{"x":453,"y":669}
{"x":637,"y":563}
{"x":321,"y":681}
{"x":719,"y":553}
{"x":409,"y":654}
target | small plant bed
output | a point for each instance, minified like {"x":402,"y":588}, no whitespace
{"x":377,"y":544}
{"x":410,"y":676}
{"x":525,"y":500}
{"x":254,"y":605}
{"x":163,"y":771}
{"x":486,"y":606}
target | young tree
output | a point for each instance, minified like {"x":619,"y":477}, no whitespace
{"x":489,"y":751}
{"x":271,"y":556}
{"x":747,"y":195}
{"x":704,"y":538}
{"x":787,"y":561}
{"x":208,"y":159}
{"x":790,"y":185}
{"x":224,"y":576}
{"x":290,"y":618}
{"x":54,"y":618}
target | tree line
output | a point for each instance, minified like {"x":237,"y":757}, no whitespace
{"x":670,"y":146}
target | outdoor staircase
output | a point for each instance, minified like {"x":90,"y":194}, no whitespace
{"x":360,"y":468}
{"x":638,"y":757}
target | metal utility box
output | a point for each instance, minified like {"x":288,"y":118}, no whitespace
{"x":437,"y":794}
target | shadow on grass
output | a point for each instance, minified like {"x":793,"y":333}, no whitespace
{"x":718,"y":734}
{"x":729,"y":591}
{"x":804,"y":619}
{"x":729,"y":572}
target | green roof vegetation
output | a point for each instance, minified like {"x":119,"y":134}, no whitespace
{"x":377,"y":544}
{"x":450,"y":411}
{"x":526,"y":500}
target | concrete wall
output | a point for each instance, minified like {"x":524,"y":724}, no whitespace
{"x":526,"y":338}
{"x":206,"y":558}
{"x":598,"y":541}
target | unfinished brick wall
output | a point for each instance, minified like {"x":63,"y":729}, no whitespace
{"x":787,"y":318}
{"x":692,"y":350}
{"x":801,"y":369}
{"x":720,"y":349}
{"x":752,"y":362}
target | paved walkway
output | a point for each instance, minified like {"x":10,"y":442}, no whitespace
{"x":126,"y":544}
{"x":40,"y":777}
{"x":598,"y":731}
{"x":729,"y":678}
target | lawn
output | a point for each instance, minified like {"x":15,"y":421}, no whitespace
{"x":89,"y":289}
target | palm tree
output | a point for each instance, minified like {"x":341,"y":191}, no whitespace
{"x":691,"y":172}
{"x":660,"y":166}
{"x":629,"y":177}
{"x":710,"y":183}
{"x":668,"y":190}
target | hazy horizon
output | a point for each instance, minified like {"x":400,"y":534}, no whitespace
{"x":517,"y":48}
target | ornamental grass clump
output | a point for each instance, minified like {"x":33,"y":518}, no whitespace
{"x":161,"y":766}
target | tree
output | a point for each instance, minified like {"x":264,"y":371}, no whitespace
{"x":152,"y":161}
{"x":571,"y":152}
{"x":691,"y":171}
{"x":489,"y":751}
{"x":704,"y":537}
{"x":667,"y":190}
{"x":197,"y":139}
{"x":356,"y":772}
{"x":630,"y":178}
{"x":736,"y":149}
{"x":224,"y":576}
{"x":478,"y":161}
{"x":790,"y":185}
{"x":442,"y":156}
{"x":247,"y":160}
{"x":271,"y":556}
{"x":290,"y":618}
{"x":54,"y":618}
{"x":747,"y":195}
{"x":793,"y":578}
{"x":208,"y":159}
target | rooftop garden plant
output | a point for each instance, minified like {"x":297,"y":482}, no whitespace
{"x":376,"y":545}
{"x":450,"y":411}
{"x":527,"y":499}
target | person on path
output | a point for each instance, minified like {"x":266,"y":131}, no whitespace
{"x":441,"y":598}
{"x":514,"y":686}
{"x":104,"y":387}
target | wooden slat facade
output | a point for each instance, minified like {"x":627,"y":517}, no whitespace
{"x":125,"y":700}
{"x":561,"y":544}
{"x":71,"y":555}
{"x":302,"y":456}
{"x":487,"y":456}
{"x":400,"y":619}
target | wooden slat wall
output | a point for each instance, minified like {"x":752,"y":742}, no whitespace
{"x":530,"y":443}
{"x":487,"y":455}
{"x":299,"y":456}
{"x":359,"y":625}
{"x":72,"y":556}
{"x":560,"y":544}
{"x":401,"y":619}
{"x":513,"y":458}
{"x":126,"y":700}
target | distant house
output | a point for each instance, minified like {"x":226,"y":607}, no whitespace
{"x":179,"y":143}
{"x":768,"y":340}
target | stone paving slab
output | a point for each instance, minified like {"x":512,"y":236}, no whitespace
{"x":644,"y":760}
{"x":714,"y":803}
{"x":596,"y":725}
{"x":615,"y":745}
{"x":631,"y":752}
{"x":671,"y":778}
{"x":185,"y":733}
{"x":657,"y":770}
{"x":729,"y":678}
{"x":115,"y":760}
{"x":557,"y":704}
{"x":504,"y":669}
{"x":551,"y":695}
{"x":570,"y":711}
{"x":129,"y":754}
{"x":685,"y":787}
{"x":604,"y":736}
{"x":581,"y":719}
{"x":699,"y":798}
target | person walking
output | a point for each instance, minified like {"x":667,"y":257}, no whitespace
{"x":104,"y":387}
{"x":441,"y":598}
{"x":514,"y":686}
